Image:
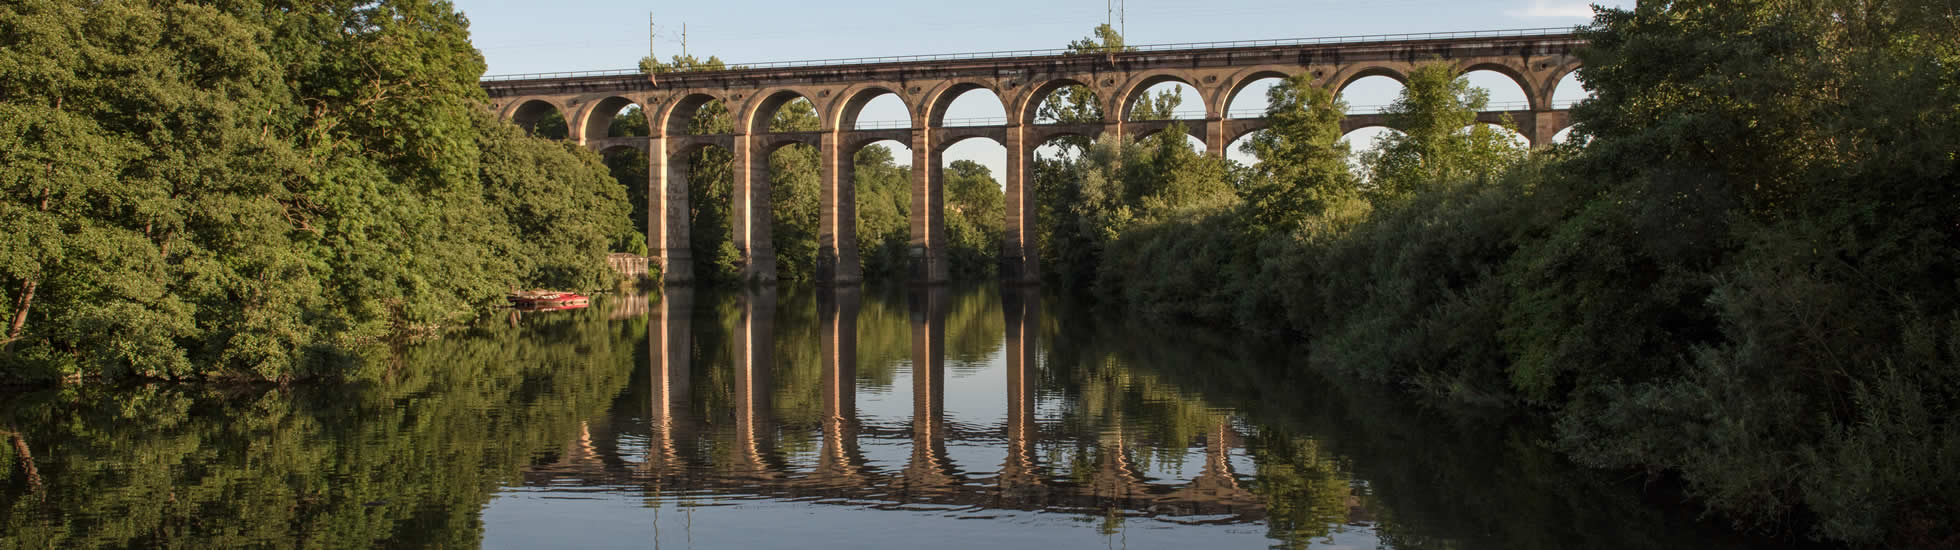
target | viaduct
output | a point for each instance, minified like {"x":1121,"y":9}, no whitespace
{"x":1536,"y":59}
{"x":677,"y":445}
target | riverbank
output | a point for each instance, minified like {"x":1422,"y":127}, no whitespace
{"x":1726,"y":284}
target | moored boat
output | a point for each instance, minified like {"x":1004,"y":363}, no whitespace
{"x":546,"y":300}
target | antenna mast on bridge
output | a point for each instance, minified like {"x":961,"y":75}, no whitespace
{"x":653,"y":33}
{"x":1116,"y":15}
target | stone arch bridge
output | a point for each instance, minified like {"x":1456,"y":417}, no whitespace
{"x":839,"y":90}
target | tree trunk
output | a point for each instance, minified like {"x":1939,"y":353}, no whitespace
{"x":27,"y":286}
{"x":20,"y":309}
{"x":27,"y":461}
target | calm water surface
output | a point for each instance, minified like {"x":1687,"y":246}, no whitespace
{"x":962,"y":418}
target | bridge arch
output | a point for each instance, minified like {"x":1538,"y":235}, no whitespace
{"x":1137,"y":89}
{"x":1557,"y":83}
{"x":597,"y":120}
{"x":1235,"y":150}
{"x":527,"y":113}
{"x":843,"y":97}
{"x":622,"y":148}
{"x":762,"y":109}
{"x":1565,"y":135}
{"x":851,"y":103}
{"x":1238,"y":129}
{"x":1044,"y":137}
{"x":1197,"y":143}
{"x":1343,"y":80}
{"x":674,"y":209}
{"x":940,"y":99}
{"x":1516,"y":136}
{"x":773,"y":142}
{"x":1349,"y":129}
{"x":1515,"y":74}
{"x":848,"y":149}
{"x":680,"y":113}
{"x":941,"y":146}
{"x":1029,"y":106}
{"x":1370,"y":95}
{"x":1361,"y":139}
{"x":1226,"y":101}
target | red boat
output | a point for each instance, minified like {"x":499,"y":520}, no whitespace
{"x":544,"y":300}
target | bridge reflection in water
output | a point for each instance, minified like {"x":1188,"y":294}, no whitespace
{"x":723,"y":436}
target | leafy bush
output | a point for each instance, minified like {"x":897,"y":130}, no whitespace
{"x":1745,"y":278}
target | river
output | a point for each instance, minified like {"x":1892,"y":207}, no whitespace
{"x":969,"y":417}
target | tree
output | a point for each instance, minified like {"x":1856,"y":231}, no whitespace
{"x":552,"y":126}
{"x":1771,"y":185}
{"x":976,"y":211}
{"x":884,"y":203}
{"x":1303,"y":165}
{"x":1175,"y":177}
{"x":681,"y":63}
{"x":629,"y":167}
{"x":1440,"y":141}
{"x":1083,"y":206}
{"x":1075,"y":104}
{"x":560,"y":200}
{"x":794,"y":191}
{"x":235,"y":191}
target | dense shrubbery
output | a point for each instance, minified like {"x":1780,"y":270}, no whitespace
{"x":1746,"y":278}
{"x":250,"y":191}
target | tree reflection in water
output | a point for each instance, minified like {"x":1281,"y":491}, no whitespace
{"x":697,"y":397}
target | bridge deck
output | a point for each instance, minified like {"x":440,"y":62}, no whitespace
{"x":839,"y":90}
{"x":1234,"y":127}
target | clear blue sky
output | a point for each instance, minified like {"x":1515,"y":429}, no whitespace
{"x":569,"y":35}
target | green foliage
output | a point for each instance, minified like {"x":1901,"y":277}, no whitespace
{"x":629,"y":168}
{"x":1076,"y":103}
{"x":552,"y":126}
{"x":631,"y":122}
{"x":681,"y":63}
{"x":1162,"y":106}
{"x":976,"y":213}
{"x":1744,"y":280}
{"x":562,"y":203}
{"x":1303,"y":167}
{"x":710,"y":191}
{"x":883,"y":192}
{"x":1081,"y":208}
{"x":795,"y":192}
{"x":884,"y":205}
{"x":1820,"y":245}
{"x":1424,"y":269}
{"x":1438,"y":138}
{"x":241,"y":192}
{"x":1176,"y":177}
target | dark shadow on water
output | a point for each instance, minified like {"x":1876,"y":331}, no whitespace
{"x":1010,"y":413}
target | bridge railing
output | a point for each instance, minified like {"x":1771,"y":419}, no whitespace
{"x":884,"y":125}
{"x":1381,"y":108}
{"x":1249,"y":113}
{"x":1009,"y":54}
